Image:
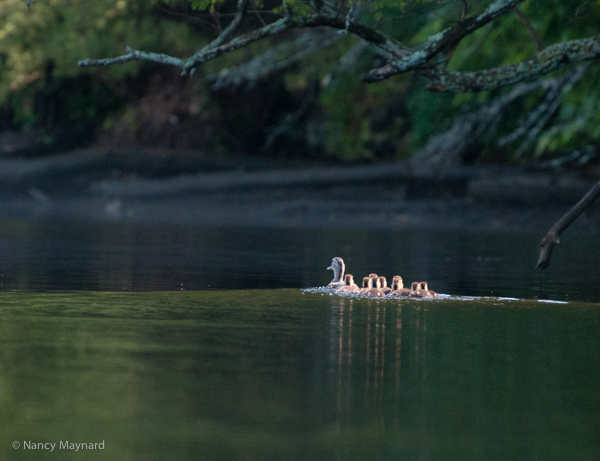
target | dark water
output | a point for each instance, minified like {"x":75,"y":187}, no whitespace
{"x":150,"y":340}
{"x":49,"y":256}
{"x":280,"y":374}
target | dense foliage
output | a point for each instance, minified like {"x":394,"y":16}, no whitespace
{"x":352,"y":120}
{"x":46,"y":40}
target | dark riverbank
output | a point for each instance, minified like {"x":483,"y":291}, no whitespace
{"x":156,"y":187}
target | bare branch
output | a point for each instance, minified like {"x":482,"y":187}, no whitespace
{"x":439,"y":42}
{"x":400,"y":58}
{"x":552,"y":237}
{"x":552,"y":58}
{"x":133,"y":55}
{"x":209,"y":53}
{"x":233,"y":26}
{"x":387,"y":46}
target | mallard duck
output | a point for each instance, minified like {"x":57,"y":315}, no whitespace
{"x":383,"y":283}
{"x":429,"y":293}
{"x":350,"y":286}
{"x":398,"y":287}
{"x":338,"y":267}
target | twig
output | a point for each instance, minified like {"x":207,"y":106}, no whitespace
{"x":536,"y":38}
{"x":552,"y":237}
{"x":134,"y":55}
{"x":255,"y":11}
{"x":232,"y":28}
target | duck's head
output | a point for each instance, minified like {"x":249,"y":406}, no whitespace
{"x":337,"y":263}
{"x":424,"y":286}
{"x":349,"y":280}
{"x":415,"y":286}
{"x":373,"y":275}
{"x":367,"y":282}
{"x":382,"y":282}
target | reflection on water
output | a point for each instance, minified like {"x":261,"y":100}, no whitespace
{"x":485,"y":379}
{"x":278,"y":374}
{"x":46,"y":255}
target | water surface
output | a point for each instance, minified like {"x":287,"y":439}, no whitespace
{"x":65,"y":255}
{"x":186,"y":342}
{"x":281,"y":374}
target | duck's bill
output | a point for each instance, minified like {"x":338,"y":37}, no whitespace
{"x":330,"y":268}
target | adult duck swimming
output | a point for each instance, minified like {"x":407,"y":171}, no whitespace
{"x":338,"y":267}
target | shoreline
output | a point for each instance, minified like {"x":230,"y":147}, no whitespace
{"x":86,"y":185}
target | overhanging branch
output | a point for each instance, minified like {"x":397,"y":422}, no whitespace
{"x":400,"y":57}
{"x":550,"y":59}
{"x":439,"y":42}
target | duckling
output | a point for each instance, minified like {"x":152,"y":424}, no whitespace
{"x":416,"y":291}
{"x":374,"y":287}
{"x":429,"y":293}
{"x":366,"y":285}
{"x":398,"y":287}
{"x":350,"y":286}
{"x":383,"y":282}
{"x":394,"y":285}
{"x":338,"y":268}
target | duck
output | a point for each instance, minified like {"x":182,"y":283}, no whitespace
{"x":383,"y":282}
{"x":373,"y":287}
{"x":338,"y":267}
{"x":429,"y":293}
{"x":350,"y":286}
{"x":398,"y":287}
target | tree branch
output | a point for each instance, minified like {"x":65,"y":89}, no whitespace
{"x":233,"y":26}
{"x":438,"y":42}
{"x":133,"y":55}
{"x":552,"y":237}
{"x":401,"y":58}
{"x":387,"y":46}
{"x":552,"y":58}
{"x":211,"y":52}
